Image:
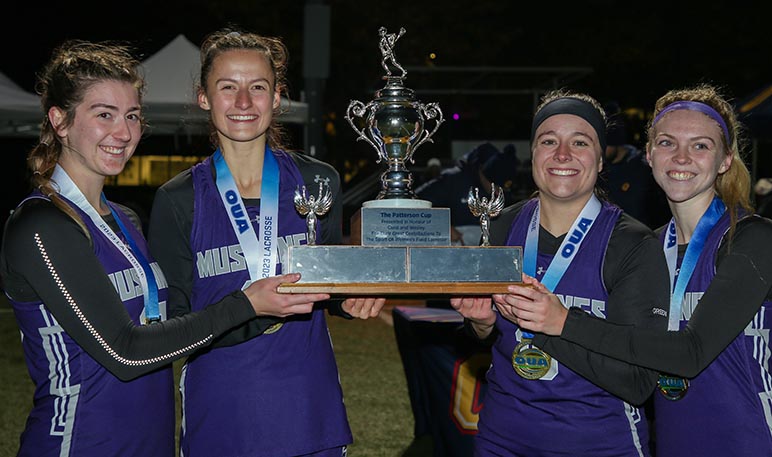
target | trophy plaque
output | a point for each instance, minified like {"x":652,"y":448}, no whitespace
{"x":402,"y":243}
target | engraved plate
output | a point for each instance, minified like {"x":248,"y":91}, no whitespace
{"x":405,"y":226}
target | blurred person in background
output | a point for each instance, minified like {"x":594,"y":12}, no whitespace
{"x":763,"y":191}
{"x":433,"y":169}
{"x":480,"y":168}
{"x":626,"y":177}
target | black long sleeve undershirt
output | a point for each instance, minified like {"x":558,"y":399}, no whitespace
{"x":742,"y":282}
{"x":46,"y":256}
{"x":637,"y":288}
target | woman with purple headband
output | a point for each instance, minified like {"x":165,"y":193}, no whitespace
{"x":715,"y":386}
{"x":549,"y":397}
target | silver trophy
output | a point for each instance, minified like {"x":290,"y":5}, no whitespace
{"x":485,"y":209}
{"x":312,"y":206}
{"x":399,"y":244}
{"x":394,"y":123}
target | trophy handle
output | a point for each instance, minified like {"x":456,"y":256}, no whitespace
{"x":429,"y":111}
{"x":359,"y":109}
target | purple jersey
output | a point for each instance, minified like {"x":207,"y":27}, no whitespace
{"x":80,"y":408}
{"x":277,"y":394}
{"x":562,"y":413}
{"x":727,"y":409}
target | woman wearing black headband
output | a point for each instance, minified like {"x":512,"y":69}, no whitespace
{"x":551,"y":397}
{"x":716,"y":383}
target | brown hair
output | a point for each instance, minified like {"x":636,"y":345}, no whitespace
{"x":276,"y":54}
{"x":75,"y":66}
{"x":555,"y":94}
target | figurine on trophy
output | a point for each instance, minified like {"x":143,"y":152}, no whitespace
{"x":486,"y":209}
{"x":311,"y":207}
{"x":388,"y":40}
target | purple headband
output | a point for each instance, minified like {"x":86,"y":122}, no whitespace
{"x":695,"y":106}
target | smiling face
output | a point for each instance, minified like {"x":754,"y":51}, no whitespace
{"x":566,"y":158}
{"x":686,"y":154}
{"x":104,"y":131}
{"x":240,"y":95}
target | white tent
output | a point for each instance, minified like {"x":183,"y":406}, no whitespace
{"x":20,"y":112}
{"x":170,"y":103}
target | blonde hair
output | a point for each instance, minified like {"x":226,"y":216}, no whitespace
{"x":734,"y":185}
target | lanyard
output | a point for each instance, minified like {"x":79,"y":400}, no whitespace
{"x":696,"y":243}
{"x":568,"y":249}
{"x":260,"y":252}
{"x":147,"y":280}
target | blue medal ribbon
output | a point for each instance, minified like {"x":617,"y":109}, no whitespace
{"x":152,"y":312}
{"x":671,"y":387}
{"x":260,"y":252}
{"x":145,"y":274}
{"x":696,"y":243}
{"x":568,"y":248}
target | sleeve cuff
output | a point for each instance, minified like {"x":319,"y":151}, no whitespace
{"x":335,"y":308}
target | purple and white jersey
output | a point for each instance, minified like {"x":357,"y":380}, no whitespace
{"x":727,"y":409}
{"x":80,"y":408}
{"x":562,"y":413}
{"x":274,"y":395}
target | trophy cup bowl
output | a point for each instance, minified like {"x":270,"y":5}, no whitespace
{"x":395,"y":125}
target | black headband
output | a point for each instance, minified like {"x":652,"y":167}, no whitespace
{"x":577,"y":107}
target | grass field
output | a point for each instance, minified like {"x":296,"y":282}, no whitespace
{"x":370,"y":371}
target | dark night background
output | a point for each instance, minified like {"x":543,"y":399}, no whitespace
{"x":636,"y":51}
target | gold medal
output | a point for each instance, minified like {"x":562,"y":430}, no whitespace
{"x":671,"y":387}
{"x":273,"y":328}
{"x":529,"y":361}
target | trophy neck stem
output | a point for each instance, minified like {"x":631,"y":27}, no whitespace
{"x":395,"y":93}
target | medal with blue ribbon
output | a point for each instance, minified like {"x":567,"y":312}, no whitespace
{"x":673,"y":387}
{"x":152,"y":312}
{"x":529,"y":361}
